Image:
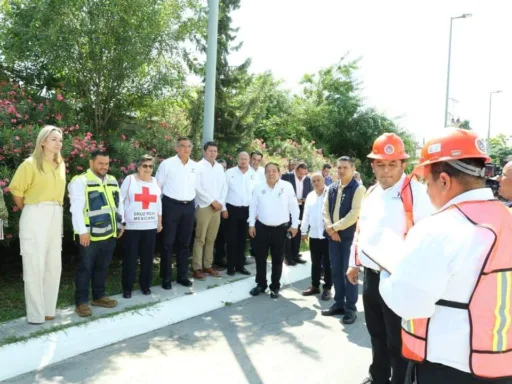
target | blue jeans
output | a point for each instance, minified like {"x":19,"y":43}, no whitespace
{"x":346,"y":293}
{"x":93,"y":268}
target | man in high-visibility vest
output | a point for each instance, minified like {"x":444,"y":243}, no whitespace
{"x":394,"y":204}
{"x":95,"y":210}
{"x":452,"y":281}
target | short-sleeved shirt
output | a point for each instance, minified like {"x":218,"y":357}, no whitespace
{"x":37,"y":187}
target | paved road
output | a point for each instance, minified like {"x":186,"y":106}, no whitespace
{"x":255,"y":341}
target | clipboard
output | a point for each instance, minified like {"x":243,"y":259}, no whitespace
{"x":385,"y":248}
{"x":382,"y":264}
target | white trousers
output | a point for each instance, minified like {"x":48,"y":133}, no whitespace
{"x":41,"y":249}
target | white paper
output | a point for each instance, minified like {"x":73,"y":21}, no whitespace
{"x":386,"y":249}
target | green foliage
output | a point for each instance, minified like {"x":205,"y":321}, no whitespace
{"x":500,"y":149}
{"x":111,"y":55}
{"x":23,"y":113}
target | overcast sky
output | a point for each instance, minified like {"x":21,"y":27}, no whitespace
{"x":404,"y":50}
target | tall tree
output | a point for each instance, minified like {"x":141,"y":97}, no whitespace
{"x":110,"y":54}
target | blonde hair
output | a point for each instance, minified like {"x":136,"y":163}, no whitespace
{"x":38,"y":154}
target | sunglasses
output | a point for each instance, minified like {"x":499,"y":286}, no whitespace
{"x":150,"y":166}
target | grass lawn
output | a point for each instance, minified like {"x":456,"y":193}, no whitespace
{"x":12,"y":300}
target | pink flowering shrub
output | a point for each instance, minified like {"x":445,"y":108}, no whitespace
{"x":18,"y":137}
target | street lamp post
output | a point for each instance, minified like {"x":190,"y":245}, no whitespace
{"x":211,"y":68}
{"x":463,"y":16}
{"x":489,"y":126}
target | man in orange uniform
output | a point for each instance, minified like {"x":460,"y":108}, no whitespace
{"x":452,"y":284}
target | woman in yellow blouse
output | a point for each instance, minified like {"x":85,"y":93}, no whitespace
{"x":38,"y":190}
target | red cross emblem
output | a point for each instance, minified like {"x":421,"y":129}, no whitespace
{"x":145,"y":198}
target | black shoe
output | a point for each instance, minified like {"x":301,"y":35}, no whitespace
{"x":166,"y":285}
{"x":274,"y":293}
{"x":243,"y":271}
{"x":231,"y":272}
{"x":185,"y":282}
{"x":350,"y":317}
{"x":257,"y":290}
{"x":326,"y":295}
{"x":298,"y":260}
{"x":127,"y":294}
{"x":291,"y":263}
{"x":146,"y":291}
{"x":220,"y":266}
{"x":333,"y":311}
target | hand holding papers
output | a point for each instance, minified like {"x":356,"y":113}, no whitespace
{"x":385,"y":249}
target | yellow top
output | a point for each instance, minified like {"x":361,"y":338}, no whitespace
{"x":37,"y":187}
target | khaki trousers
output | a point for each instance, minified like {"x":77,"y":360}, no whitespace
{"x":41,"y":249}
{"x":207,"y":226}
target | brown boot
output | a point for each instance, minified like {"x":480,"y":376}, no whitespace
{"x":105,"y":302}
{"x":311,"y":291}
{"x":212,"y":272}
{"x":49,"y":318}
{"x":83,"y":310}
{"x":198,"y":275}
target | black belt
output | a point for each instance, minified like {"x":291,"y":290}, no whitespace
{"x":182,"y":202}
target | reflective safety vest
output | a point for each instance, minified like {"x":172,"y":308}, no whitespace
{"x":490,"y":305}
{"x":101,"y":203}
{"x":407,"y":201}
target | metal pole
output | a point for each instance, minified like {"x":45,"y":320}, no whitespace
{"x":448,"y":75}
{"x":489,"y":126}
{"x":211,"y":69}
{"x":488,"y":147}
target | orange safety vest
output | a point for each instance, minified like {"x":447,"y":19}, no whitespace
{"x":407,"y":201}
{"x":490,"y":305}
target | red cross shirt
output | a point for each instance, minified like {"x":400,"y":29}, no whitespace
{"x":142,"y":203}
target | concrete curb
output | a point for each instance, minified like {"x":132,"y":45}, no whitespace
{"x":40,"y":352}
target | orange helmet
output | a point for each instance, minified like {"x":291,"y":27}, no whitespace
{"x":388,"y":146}
{"x":452,"y":145}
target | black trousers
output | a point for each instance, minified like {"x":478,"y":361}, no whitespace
{"x":93,"y":269}
{"x":320,"y":255}
{"x":178,"y":223}
{"x":269,"y":238}
{"x":433,"y":373}
{"x":220,"y":243}
{"x":292,"y":246}
{"x":384,"y":327}
{"x":138,"y":243}
{"x":237,"y":228}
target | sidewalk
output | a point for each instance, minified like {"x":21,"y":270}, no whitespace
{"x":25,"y":347}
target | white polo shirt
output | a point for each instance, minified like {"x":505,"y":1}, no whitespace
{"x":210,"y":184}
{"x":441,"y":259}
{"x":383,"y":209}
{"x":178,"y":180}
{"x":240,"y":186}
{"x":273,"y":206}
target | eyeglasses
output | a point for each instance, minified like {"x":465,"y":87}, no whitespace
{"x":150,"y":166}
